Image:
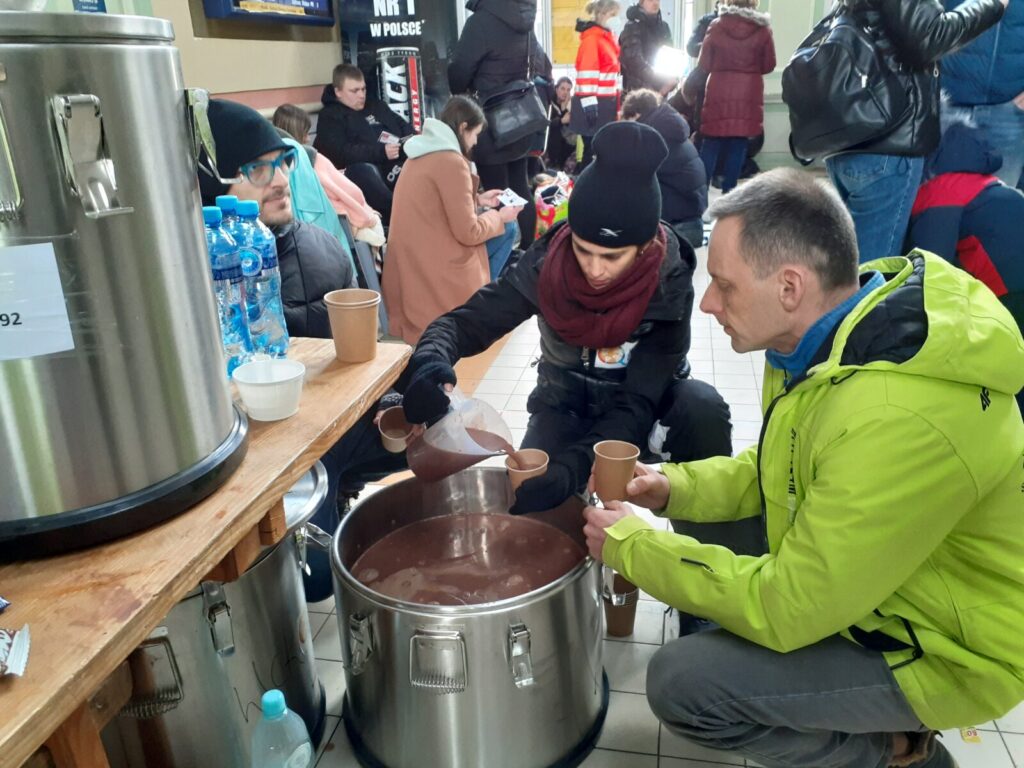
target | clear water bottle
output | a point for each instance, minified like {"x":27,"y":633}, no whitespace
{"x":233,"y":225}
{"x":268,"y":328}
{"x":228,"y":289}
{"x":280,"y":739}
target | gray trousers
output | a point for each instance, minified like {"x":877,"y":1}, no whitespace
{"x":829,"y":705}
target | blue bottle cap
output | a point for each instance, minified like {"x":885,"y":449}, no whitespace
{"x":273,"y":704}
{"x":227,"y":203}
{"x":248,"y":208}
{"x":212,"y":215}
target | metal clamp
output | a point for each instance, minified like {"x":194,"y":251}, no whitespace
{"x":204,"y":148}
{"x":437,"y":661}
{"x":360,"y":643}
{"x":519,"y":657}
{"x":609,"y":593}
{"x":218,"y":614}
{"x":10,"y":191}
{"x":307,"y":534}
{"x":83,"y":146}
{"x":163,"y":699}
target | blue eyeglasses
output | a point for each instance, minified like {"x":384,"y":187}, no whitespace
{"x":261,"y":172}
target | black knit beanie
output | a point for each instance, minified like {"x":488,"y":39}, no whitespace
{"x":617,"y":201}
{"x":241,"y":135}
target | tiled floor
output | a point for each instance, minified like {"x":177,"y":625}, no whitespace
{"x":632,"y":736}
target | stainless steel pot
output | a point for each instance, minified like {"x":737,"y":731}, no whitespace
{"x":199,"y":677}
{"x":114,"y":408}
{"x":512,"y":684}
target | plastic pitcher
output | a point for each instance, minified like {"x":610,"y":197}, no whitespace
{"x":471,"y":432}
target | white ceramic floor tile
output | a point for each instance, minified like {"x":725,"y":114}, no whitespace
{"x":503,"y":373}
{"x":332,"y":675}
{"x":317,"y":621}
{"x":497,"y":401}
{"x":701,"y":341}
{"x":516,"y":419}
{"x":529,"y":374}
{"x":990,"y":752}
{"x":734,"y":381}
{"x":330,"y":726}
{"x":523,"y":387}
{"x":649,"y":624}
{"x":744,"y":412}
{"x":338,"y":752}
{"x":700,"y":353}
{"x":516,"y":347}
{"x":495,"y":387}
{"x":327,"y":644}
{"x":324,"y":606}
{"x":746,"y":430}
{"x":739,"y":367}
{"x":1014,"y":743}
{"x":702,"y":369}
{"x":517,"y":402}
{"x":626,"y":665}
{"x":735,"y":396}
{"x":741,"y":445}
{"x":630,"y":725}
{"x":513,"y":361}
{"x":605,"y":758}
{"x":517,"y":437}
{"x":675,"y":746}
{"x":1013,"y":722}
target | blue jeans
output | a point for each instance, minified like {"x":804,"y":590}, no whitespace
{"x":500,"y":248}
{"x":1003,"y":127}
{"x":733,"y":150}
{"x":879,"y":191}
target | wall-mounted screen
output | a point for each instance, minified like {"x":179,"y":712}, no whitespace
{"x":278,"y":11}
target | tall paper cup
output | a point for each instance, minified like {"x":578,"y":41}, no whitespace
{"x":537,"y":464}
{"x":353,"y":315}
{"x":394,"y":429}
{"x":614,"y":462}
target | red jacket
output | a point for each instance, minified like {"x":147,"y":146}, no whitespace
{"x":737,"y":52}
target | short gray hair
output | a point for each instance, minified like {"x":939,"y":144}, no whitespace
{"x":788,"y":217}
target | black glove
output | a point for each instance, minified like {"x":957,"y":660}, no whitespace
{"x":545,"y":492}
{"x":590,"y":115}
{"x":425,"y":399}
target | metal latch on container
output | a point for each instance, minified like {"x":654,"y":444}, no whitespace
{"x":218,"y":614}
{"x":519,"y":657}
{"x":197,"y":102}
{"x":10,"y":191}
{"x":437,"y":661}
{"x":151,"y":695}
{"x":360,"y":642}
{"x":83,"y":147}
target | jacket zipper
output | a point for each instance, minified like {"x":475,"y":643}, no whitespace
{"x":705,"y":566}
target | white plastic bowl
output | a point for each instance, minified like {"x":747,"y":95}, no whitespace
{"x":270,"y":389}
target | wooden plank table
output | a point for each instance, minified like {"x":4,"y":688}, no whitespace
{"x":88,"y":610}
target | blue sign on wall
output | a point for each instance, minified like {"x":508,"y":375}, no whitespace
{"x":281,"y":11}
{"x":91,"y":6}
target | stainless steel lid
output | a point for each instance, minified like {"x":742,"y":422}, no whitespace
{"x":82,"y":27}
{"x":305,"y":497}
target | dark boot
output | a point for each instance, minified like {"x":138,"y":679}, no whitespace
{"x":925,"y":751}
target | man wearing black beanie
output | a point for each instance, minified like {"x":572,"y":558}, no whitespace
{"x":612,"y":289}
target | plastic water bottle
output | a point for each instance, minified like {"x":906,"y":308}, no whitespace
{"x":233,"y":225}
{"x":228,"y":289}
{"x":268,"y":327}
{"x":280,"y":739}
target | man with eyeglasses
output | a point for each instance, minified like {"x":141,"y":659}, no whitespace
{"x":312,"y":263}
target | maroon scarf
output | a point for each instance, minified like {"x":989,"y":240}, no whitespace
{"x":593,"y":318}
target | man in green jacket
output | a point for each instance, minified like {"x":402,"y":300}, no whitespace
{"x":890,"y":481}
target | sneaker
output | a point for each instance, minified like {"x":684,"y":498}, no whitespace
{"x":691,"y":625}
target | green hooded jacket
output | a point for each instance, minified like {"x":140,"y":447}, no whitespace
{"x":890,"y":479}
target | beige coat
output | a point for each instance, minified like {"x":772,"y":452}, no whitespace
{"x":436,"y":257}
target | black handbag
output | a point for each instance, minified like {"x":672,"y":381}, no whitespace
{"x":841,"y":90}
{"x":516,"y":110}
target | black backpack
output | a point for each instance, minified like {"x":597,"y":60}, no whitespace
{"x":841,"y":90}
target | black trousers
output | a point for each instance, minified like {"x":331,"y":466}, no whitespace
{"x":513,"y":175}
{"x":376,"y":191}
{"x":699,"y":427}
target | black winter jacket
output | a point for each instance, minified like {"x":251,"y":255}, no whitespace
{"x":683,"y":182}
{"x":622,"y":401}
{"x":491,"y":53}
{"x":918,"y":33}
{"x":700,"y":31}
{"x":346,"y":137}
{"x":312,"y":264}
{"x":639,"y":42}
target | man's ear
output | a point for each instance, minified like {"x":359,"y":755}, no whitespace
{"x":792,"y":286}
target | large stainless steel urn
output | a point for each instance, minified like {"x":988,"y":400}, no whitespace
{"x":114,"y":407}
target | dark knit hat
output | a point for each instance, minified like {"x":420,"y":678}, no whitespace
{"x":617,"y":201}
{"x":241,"y":134}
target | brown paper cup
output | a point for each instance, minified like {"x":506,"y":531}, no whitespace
{"x":353,"y":315}
{"x":394,"y":429}
{"x":538,"y":465}
{"x":614,"y":462}
{"x":620,"y":619}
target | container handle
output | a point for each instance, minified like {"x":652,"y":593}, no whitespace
{"x":88,"y":168}
{"x":360,"y":643}
{"x":519,"y":657}
{"x":437,"y":661}
{"x":162,"y":700}
{"x":218,"y":615}
{"x":197,"y":103}
{"x":10,"y":190}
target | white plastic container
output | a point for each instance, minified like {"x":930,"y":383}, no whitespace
{"x":270,"y":389}
{"x":280,"y":739}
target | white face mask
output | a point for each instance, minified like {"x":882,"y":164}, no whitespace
{"x":615,"y":25}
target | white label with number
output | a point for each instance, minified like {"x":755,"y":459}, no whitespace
{"x":33,"y":315}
